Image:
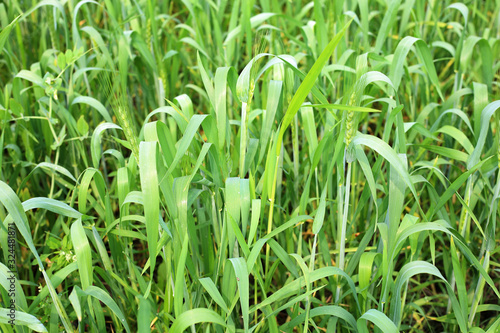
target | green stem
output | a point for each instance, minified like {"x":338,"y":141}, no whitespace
{"x":271,"y":209}
{"x":243,"y":138}
{"x":463,"y":227}
{"x":342,"y":233}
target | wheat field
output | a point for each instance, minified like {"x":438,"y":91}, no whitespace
{"x":249,"y":166}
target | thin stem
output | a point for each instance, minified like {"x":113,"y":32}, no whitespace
{"x":463,"y":226}
{"x":341,"y":261}
{"x":271,"y":210}
{"x":243,"y":138}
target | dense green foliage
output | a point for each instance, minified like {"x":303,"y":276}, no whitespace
{"x":250,"y":166}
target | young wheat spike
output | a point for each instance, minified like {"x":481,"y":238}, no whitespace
{"x":118,"y":104}
{"x":52,"y":29}
{"x":259,"y":47}
{"x":149,"y":34}
{"x":355,"y":97}
{"x":350,"y":126}
{"x":260,"y":44}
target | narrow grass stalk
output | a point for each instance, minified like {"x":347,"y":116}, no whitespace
{"x":243,"y":138}
{"x":463,"y":226}
{"x":271,"y":211}
{"x":342,"y":230}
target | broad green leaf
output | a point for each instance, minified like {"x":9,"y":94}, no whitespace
{"x":212,"y":290}
{"x":423,"y":52}
{"x":379,"y":319}
{"x":4,"y":34}
{"x":95,"y":142}
{"x":194,"y":316}
{"x":105,"y":298}
{"x":306,"y":85}
{"x":22,"y":319}
{"x":83,"y":253}
{"x":240,"y":270}
{"x":486,"y":115}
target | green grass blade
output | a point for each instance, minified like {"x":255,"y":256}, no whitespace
{"x":306,"y":85}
